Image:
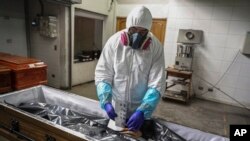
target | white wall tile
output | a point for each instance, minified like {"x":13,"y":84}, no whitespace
{"x":224,"y":2}
{"x":195,"y":65}
{"x":172,"y":12}
{"x":172,"y":36}
{"x":215,"y":39}
{"x":198,"y":52}
{"x":243,"y":82}
{"x":210,"y":64}
{"x":201,"y":83}
{"x":230,"y":68}
{"x":123,"y":10}
{"x":219,"y":27}
{"x":158,"y":10}
{"x":242,"y":2}
{"x":182,"y":2}
{"x":228,"y":90}
{"x":234,"y":41}
{"x":222,"y":13}
{"x":169,"y":60}
{"x":211,"y":77}
{"x":205,"y":2}
{"x":239,"y":27}
{"x":224,"y":24}
{"x":195,"y":80}
{"x":198,"y":61}
{"x":203,"y":12}
{"x":184,"y":23}
{"x":215,"y":52}
{"x":229,"y":80}
{"x":174,"y":49}
{"x":13,"y":29}
{"x":243,"y":59}
{"x":225,"y":95}
{"x":203,"y":25}
{"x":185,"y":12}
{"x":169,"y":48}
{"x":171,"y":24}
{"x":241,"y":13}
{"x":245,"y":70}
{"x":242,"y":95}
{"x":230,"y":54}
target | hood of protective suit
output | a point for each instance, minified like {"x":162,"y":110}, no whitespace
{"x":139,"y":17}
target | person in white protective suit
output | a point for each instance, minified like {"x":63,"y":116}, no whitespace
{"x":131,"y":70}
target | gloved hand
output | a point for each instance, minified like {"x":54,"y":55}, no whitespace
{"x":135,"y":121}
{"x":110,"y":111}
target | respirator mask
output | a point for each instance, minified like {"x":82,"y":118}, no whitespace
{"x":136,"y":40}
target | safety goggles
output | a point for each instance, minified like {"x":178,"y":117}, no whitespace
{"x":140,"y":30}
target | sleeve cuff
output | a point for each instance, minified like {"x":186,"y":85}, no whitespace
{"x":149,"y":103}
{"x":104,"y":93}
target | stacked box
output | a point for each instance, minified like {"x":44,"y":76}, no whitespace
{"x":25,"y":72}
{"x":5,"y":79}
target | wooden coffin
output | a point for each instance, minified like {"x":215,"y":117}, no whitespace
{"x":25,"y":72}
{"x":16,"y":124}
{"x":4,"y":54}
{"x":5,"y":79}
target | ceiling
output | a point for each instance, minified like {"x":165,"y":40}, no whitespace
{"x":142,"y":1}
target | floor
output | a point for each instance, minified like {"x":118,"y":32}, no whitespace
{"x":86,"y":90}
{"x":199,"y":114}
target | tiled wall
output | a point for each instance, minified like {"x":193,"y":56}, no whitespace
{"x":217,"y":60}
{"x":12,"y":27}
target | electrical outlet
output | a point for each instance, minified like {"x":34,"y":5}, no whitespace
{"x":9,"y":41}
{"x":210,"y":89}
{"x":200,"y":88}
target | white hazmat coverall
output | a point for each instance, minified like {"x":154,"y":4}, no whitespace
{"x":134,"y":76}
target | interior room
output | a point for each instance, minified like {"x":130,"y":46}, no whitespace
{"x":205,"y":46}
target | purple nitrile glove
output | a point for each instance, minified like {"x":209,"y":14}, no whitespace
{"x":135,"y":121}
{"x":110,"y":111}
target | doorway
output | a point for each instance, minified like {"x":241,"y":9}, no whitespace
{"x":88,"y":35}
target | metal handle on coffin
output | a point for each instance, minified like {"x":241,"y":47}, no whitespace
{"x":15,"y":129}
{"x":50,"y":138}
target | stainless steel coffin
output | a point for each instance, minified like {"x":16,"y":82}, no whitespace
{"x":28,"y":126}
{"x":16,"y":124}
{"x":56,"y":115}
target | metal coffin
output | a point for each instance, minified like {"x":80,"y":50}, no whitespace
{"x":16,"y":124}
